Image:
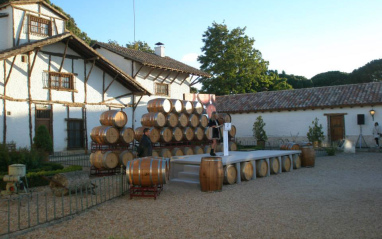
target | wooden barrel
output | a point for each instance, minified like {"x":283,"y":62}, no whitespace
{"x":197,"y":107}
{"x":204,"y":98}
{"x":146,"y":172}
{"x":296,"y":161}
{"x":219,"y":147}
{"x":177,"y":133}
{"x":207,"y":149}
{"x":172,"y":120}
{"x":198,"y":150}
{"x":124,"y":157}
{"x":126,"y":135}
{"x":261,"y":168}
{"x":159,"y":105}
{"x":155,"y":153}
{"x":207,"y":133}
{"x":232,"y":146}
{"x":246,"y":171}
{"x":165,"y":135}
{"x":226,"y":117}
{"x":104,"y":134}
{"x":290,"y":146}
{"x":211,"y":174}
{"x":230,"y":174}
{"x":198,"y":133}
{"x":286,"y":164}
{"x":177,"y":106}
{"x":166,"y":153}
{"x":187,"y":107}
{"x":107,"y":160}
{"x":193,"y":120}
{"x":188,"y":151}
{"x":274,"y":165}
{"x":188,"y":133}
{"x":182,"y":120}
{"x":114,"y":118}
{"x":308,"y":156}
{"x":177,"y":152}
{"x":153,"y":119}
{"x":203,"y":121}
{"x":154,"y":134}
{"x":232,"y":132}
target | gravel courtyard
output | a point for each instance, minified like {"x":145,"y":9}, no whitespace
{"x":341,"y":197}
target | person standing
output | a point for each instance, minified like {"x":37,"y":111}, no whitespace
{"x":145,"y":145}
{"x":214,"y":124}
{"x":377,"y":133}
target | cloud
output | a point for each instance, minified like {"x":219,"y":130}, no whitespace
{"x":190,"y":57}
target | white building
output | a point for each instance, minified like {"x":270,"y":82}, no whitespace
{"x":49,"y":76}
{"x":343,"y":111}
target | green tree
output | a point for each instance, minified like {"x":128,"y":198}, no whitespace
{"x":141,"y":46}
{"x":297,"y":82}
{"x":42,"y":140}
{"x":330,"y":78}
{"x":235,"y":65}
{"x":371,"y":72}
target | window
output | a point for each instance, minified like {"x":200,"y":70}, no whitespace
{"x":75,"y":133}
{"x":161,"y":89}
{"x":60,"y":81}
{"x":39,"y":26}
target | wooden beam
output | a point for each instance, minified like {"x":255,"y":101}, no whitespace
{"x":160,"y":72}
{"x":21,"y":29}
{"x":10,"y":71}
{"x":5,"y":107}
{"x":87,"y":77}
{"x":185,"y":79}
{"x":111,"y":83}
{"x":103,"y":86}
{"x":138,"y":71}
{"x":34,"y":60}
{"x":117,"y":97}
{"x":63,"y":57}
{"x":175,"y":78}
{"x":166,"y":77}
{"x":39,"y":13}
{"x":195,"y":81}
{"x":30,"y":99}
{"x":55,"y":25}
{"x":148,"y":73}
{"x":136,"y":105}
{"x":93,"y":58}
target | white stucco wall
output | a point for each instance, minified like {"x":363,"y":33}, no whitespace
{"x":295,"y":124}
{"x":6,"y":29}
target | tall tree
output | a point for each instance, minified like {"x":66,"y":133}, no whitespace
{"x":297,"y":82}
{"x":370,"y":72}
{"x":141,"y":46}
{"x":235,"y":65}
{"x":330,"y":78}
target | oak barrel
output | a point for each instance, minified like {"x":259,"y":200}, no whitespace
{"x":230,"y":174}
{"x":177,"y":106}
{"x":147,"y":172}
{"x":232,"y":132}
{"x":166,"y":153}
{"x":177,"y":152}
{"x":182,"y":120}
{"x":193,"y":120}
{"x":165,"y":134}
{"x":204,"y":98}
{"x":308,"y":156}
{"x":114,"y":118}
{"x":261,"y":168}
{"x":198,"y":150}
{"x":232,"y":146}
{"x":125,"y":156}
{"x":197,"y":107}
{"x":198,"y":133}
{"x":246,"y":171}
{"x":203,"y":121}
{"x":296,"y":161}
{"x":104,"y":134}
{"x":290,"y":146}
{"x":172,"y":120}
{"x":286,"y":164}
{"x":126,"y":135}
{"x":274,"y":165}
{"x":226,"y":117}
{"x":153,"y":119}
{"x":187,"y":107}
{"x":207,"y":149}
{"x":159,"y":105}
{"x":188,"y":151}
{"x":155,"y":153}
{"x":188,"y":133}
{"x":107,"y":160}
{"x":154,"y":134}
{"x":211,"y":174}
{"x":177,"y":134}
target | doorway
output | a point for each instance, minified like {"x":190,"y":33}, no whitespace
{"x":336,"y":127}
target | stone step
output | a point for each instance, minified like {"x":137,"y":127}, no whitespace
{"x":191,"y":168}
{"x":188,"y":176}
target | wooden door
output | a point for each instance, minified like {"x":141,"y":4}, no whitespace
{"x":337,"y":129}
{"x":44,"y":117}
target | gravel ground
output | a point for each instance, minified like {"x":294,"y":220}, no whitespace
{"x":341,"y":197}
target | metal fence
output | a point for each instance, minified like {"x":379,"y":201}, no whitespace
{"x":24,"y":211}
{"x":71,"y":159}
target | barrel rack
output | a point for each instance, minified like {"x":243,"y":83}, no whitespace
{"x":139,"y":191}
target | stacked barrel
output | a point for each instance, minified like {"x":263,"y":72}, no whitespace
{"x":112,"y":139}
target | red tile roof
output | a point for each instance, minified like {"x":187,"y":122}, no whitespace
{"x":309,"y":98}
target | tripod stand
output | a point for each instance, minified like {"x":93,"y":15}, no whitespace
{"x":360,"y":139}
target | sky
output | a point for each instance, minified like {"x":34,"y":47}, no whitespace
{"x":300,"y":37}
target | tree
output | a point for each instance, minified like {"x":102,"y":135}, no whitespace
{"x":371,"y":72}
{"x":141,"y":46}
{"x":330,"y":78}
{"x":297,"y":82}
{"x":235,"y":65}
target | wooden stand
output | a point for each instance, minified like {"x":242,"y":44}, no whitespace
{"x":138,"y":191}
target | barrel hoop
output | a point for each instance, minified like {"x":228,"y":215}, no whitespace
{"x":151,"y":171}
{"x":128,"y":171}
{"x":139,"y":172}
{"x":211,"y":160}
{"x":159,"y":162}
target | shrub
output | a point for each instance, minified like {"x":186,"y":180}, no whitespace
{"x":331,"y":151}
{"x":42,"y":139}
{"x":315,"y":132}
{"x":258,"y":129}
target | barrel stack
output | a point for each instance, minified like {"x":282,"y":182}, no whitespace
{"x":177,"y":127}
{"x":111,"y":142}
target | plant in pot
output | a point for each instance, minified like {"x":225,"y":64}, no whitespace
{"x":43,"y":142}
{"x":315,"y":133}
{"x":259,"y":132}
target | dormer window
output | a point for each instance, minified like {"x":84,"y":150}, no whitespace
{"x":60,"y":81}
{"x":40,"y":26}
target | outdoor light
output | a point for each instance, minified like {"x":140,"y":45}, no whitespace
{"x":372,"y":112}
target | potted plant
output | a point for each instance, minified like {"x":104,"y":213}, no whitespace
{"x":259,"y":132}
{"x":315,"y":133}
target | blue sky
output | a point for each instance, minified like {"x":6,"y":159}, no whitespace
{"x":301,"y":37}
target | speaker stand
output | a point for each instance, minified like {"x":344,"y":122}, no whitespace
{"x":360,"y":139}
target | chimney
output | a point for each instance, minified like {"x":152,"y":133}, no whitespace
{"x":159,"y":49}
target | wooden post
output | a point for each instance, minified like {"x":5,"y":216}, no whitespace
{"x":63,"y":57}
{"x":29,"y":101}
{"x":5,"y":108}
{"x":21,"y":29}
{"x":103,"y":86}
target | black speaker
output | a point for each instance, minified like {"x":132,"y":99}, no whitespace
{"x":361,"y":119}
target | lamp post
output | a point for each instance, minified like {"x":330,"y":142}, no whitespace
{"x":372,"y":113}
